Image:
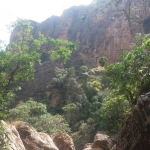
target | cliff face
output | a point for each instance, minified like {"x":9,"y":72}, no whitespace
{"x":98,"y":36}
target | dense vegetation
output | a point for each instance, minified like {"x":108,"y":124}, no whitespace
{"x":36,"y":114}
{"x":131,"y":75}
{"x":17,"y":63}
{"x":89,"y":100}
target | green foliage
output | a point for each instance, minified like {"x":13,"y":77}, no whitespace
{"x":72,"y":113}
{"x":103,"y":61}
{"x":52,"y":124}
{"x":83,"y":69}
{"x":36,"y":114}
{"x":64,"y":81}
{"x":95,"y":86}
{"x":132,"y":76}
{"x":62,"y":49}
{"x":4,"y":143}
{"x":113,"y":111}
{"x":84,"y":134}
{"x":17,"y":61}
{"x":85,"y":102}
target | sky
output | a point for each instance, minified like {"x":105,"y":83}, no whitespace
{"x":37,"y":10}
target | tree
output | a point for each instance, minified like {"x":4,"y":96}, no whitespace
{"x":103,"y":61}
{"x":36,"y":114}
{"x":113,"y":111}
{"x":62,"y":49}
{"x":64,"y":80}
{"x":17,"y":61}
{"x":131,"y":76}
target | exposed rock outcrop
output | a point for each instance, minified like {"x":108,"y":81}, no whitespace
{"x":33,"y":140}
{"x":64,"y":142}
{"x":101,"y":142}
{"x":22,"y":136}
{"x":14,"y":140}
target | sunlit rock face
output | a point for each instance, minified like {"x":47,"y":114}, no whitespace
{"x":97,"y":35}
{"x":13,"y":138}
{"x":64,"y":142}
{"x":22,"y":136}
{"x":33,"y":140}
{"x":101,"y":142}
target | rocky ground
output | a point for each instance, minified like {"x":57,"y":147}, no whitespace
{"x":22,"y":136}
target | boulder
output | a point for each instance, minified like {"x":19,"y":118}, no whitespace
{"x":103,"y":142}
{"x":63,"y":141}
{"x":14,"y":141}
{"x":33,"y":140}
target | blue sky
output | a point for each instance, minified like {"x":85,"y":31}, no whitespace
{"x":37,"y":10}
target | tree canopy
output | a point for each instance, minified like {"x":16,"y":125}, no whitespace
{"x":18,"y":58}
{"x":132,"y":75}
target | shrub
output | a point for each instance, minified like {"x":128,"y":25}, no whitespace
{"x":113,"y":111}
{"x":36,"y":114}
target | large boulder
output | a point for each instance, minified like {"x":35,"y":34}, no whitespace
{"x":101,"y":142}
{"x":63,"y":141}
{"x":33,"y":140}
{"x":13,"y":138}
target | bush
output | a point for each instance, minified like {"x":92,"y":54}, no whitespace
{"x":112,"y":112}
{"x":85,"y":134}
{"x":36,"y":114}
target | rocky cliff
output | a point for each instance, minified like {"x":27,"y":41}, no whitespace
{"x":98,"y":36}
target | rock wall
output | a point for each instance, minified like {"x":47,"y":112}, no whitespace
{"x":98,"y":36}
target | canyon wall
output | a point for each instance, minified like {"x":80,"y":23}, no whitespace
{"x":97,"y":35}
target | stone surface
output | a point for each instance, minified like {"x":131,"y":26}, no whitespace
{"x":102,"y":141}
{"x":13,"y":136}
{"x":23,"y":136}
{"x":33,"y":140}
{"x":64,"y":142}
